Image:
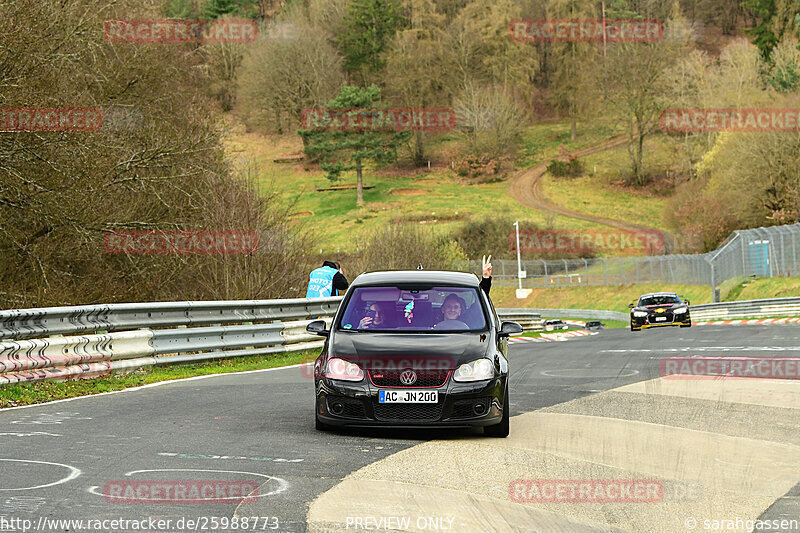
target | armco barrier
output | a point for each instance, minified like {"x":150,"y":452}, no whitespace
{"x":747,"y":309}
{"x":26,"y":323}
{"x":101,"y":339}
{"x":590,"y":314}
{"x":105,"y":338}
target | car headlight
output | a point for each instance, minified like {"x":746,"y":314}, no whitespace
{"x":640,"y":313}
{"x":343,"y":370}
{"x":477,"y":370}
{"x":680,"y":310}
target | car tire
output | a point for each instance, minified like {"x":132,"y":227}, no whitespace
{"x":635,"y":329}
{"x":500,"y":430}
{"x":686,"y":325}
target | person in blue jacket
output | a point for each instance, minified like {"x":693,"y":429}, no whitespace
{"x":327,"y":280}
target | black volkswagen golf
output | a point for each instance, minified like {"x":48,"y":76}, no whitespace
{"x":414,"y":349}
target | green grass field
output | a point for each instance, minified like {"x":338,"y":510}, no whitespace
{"x":600,"y":192}
{"x":436,"y":197}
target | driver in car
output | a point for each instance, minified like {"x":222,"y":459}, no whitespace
{"x":452,"y":307}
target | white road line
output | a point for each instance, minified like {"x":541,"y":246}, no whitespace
{"x":74,"y":472}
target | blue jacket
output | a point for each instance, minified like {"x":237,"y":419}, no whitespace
{"x":320,"y":283}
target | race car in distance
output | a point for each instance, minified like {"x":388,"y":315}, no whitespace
{"x":414,"y":349}
{"x":660,"y":309}
{"x":553,"y":324}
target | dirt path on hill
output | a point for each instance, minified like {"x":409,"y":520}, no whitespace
{"x":526,"y":188}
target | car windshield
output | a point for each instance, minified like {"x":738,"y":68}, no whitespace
{"x":662,"y":299}
{"x":407,"y":308}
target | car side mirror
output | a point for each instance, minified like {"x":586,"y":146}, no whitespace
{"x":686,"y":302}
{"x":631,"y":306}
{"x":509,"y":328}
{"x":318,"y":327}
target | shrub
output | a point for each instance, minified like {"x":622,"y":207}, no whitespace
{"x":485,"y":236}
{"x":571,"y":168}
{"x":405,"y":246}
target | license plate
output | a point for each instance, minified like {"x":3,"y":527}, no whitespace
{"x":661,"y":319}
{"x":408,"y":396}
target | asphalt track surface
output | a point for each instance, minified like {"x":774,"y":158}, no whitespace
{"x":58,"y":459}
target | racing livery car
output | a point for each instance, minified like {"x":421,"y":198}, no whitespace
{"x":660,"y":309}
{"x":414,"y":349}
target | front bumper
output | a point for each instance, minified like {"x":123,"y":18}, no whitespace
{"x":358,"y":405}
{"x":647,"y":322}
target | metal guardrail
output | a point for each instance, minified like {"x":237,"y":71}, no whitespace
{"x":106,"y":338}
{"x":27,"y":323}
{"x":747,"y":309}
{"x":590,"y":314}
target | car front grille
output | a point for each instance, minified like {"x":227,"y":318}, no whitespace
{"x":408,"y":411}
{"x":425,"y":379}
{"x":651,"y":318}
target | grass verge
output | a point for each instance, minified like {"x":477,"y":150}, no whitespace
{"x":47,"y":391}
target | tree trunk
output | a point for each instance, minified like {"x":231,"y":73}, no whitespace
{"x":419,"y":149}
{"x":360,"y":185}
{"x":641,"y":179}
{"x":574,"y":131}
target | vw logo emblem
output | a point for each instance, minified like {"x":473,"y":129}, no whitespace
{"x":408,"y":377}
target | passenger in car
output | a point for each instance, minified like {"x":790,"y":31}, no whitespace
{"x":379,"y":316}
{"x":486,"y":281}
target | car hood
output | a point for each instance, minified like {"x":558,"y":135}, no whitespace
{"x":452,"y":349}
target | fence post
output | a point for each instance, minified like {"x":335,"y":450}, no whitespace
{"x":586,"y":264}
{"x":605,"y":278}
{"x":713,"y":281}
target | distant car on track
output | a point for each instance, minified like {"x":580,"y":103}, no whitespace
{"x":660,"y":309}
{"x":414,"y":349}
{"x":594,"y":324}
{"x":554,"y":324}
